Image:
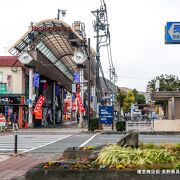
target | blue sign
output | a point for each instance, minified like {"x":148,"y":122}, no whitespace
{"x":106,"y":114}
{"x":36,"y":80}
{"x":29,"y":101}
{"x":172,"y":32}
{"x":57,"y":90}
{"x":76,"y":77}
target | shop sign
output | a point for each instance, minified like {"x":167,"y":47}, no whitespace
{"x":79,"y":57}
{"x":11,"y":100}
{"x":3,"y":89}
{"x":2,"y":120}
{"x":25,"y":58}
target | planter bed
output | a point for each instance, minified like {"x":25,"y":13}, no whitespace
{"x":90,"y":163}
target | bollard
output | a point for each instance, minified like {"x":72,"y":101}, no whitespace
{"x":15,"y":143}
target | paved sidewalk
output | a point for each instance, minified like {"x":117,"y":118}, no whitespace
{"x":3,"y":157}
{"x":15,"y":167}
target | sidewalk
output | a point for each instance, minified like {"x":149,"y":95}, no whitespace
{"x":3,"y":157}
{"x":66,"y":127}
{"x":17,"y":166}
{"x":14,"y":167}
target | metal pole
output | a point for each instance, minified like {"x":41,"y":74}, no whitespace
{"x":30,"y":120}
{"x":71,"y":112}
{"x":15,"y":142}
{"x":54,"y":105}
{"x":89,"y":84}
{"x":97,"y":59}
{"x":58,"y":14}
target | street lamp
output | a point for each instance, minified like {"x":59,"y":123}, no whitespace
{"x":63,"y":13}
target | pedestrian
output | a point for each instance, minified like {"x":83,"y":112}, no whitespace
{"x":15,"y":121}
{"x":77,"y":117}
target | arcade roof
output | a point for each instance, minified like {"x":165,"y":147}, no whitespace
{"x":54,"y":39}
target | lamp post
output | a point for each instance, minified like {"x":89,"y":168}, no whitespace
{"x":89,"y":84}
{"x":63,"y":13}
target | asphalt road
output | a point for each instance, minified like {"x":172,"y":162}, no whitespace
{"x":53,"y":142}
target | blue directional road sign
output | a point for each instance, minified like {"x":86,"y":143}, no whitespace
{"x":106,"y":114}
{"x":172,"y":32}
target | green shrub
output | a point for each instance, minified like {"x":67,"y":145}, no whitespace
{"x":114,"y":155}
{"x":177,"y":166}
{"x":94,"y":124}
{"x":121,"y":125}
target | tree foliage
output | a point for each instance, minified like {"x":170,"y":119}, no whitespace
{"x":167,"y":83}
{"x":120,"y":97}
{"x":139,"y":98}
{"x":130,"y":98}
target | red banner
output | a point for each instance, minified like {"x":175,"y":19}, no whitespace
{"x":81,"y":107}
{"x":38,"y":115}
{"x":38,"y":107}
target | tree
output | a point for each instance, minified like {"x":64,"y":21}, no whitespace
{"x":167,"y":83}
{"x":139,"y":98}
{"x":120,"y":99}
{"x":130,"y":98}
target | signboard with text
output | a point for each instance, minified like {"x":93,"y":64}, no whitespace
{"x":106,"y":114}
{"x":140,"y":125}
{"x":3,"y":89}
{"x":172,"y":32}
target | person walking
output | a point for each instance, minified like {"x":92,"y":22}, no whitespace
{"x":15,"y":121}
{"x":77,"y":117}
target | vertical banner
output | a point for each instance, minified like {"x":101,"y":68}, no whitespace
{"x":38,"y":115}
{"x":38,"y":106}
{"x":36,"y":80}
{"x":76,"y":77}
{"x":57,"y":90}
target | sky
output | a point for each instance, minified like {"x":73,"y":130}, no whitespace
{"x":137,"y":30}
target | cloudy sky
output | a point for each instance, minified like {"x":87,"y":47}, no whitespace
{"x":136,"y":26}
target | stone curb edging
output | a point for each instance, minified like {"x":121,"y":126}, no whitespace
{"x":103,"y":174}
{"x":148,"y":133}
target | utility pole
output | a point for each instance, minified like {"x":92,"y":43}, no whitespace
{"x":97,"y":58}
{"x":101,"y":29}
{"x":89,"y":84}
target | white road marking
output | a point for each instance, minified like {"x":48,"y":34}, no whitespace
{"x":47,"y":143}
{"x":83,"y":144}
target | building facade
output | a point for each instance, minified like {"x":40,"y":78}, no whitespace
{"x":13,"y":89}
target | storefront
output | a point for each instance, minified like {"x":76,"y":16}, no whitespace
{"x":10,"y":103}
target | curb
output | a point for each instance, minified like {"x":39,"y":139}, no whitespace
{"x":142,"y":132}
